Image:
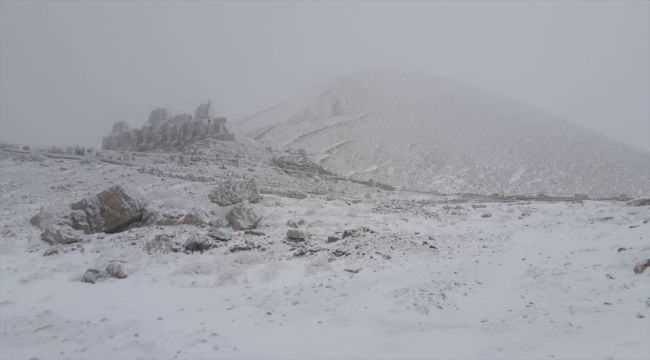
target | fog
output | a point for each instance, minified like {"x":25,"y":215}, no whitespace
{"x":69,"y":70}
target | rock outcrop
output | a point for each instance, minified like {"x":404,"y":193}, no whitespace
{"x":166,"y":131}
{"x":235,"y":192}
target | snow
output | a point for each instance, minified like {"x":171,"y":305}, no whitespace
{"x":549,"y":285}
{"x":451,"y":137}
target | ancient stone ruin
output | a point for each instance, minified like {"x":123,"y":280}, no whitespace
{"x":166,"y":131}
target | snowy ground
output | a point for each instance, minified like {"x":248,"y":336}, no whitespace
{"x":534,"y":280}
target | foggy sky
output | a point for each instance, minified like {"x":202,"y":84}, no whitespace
{"x":69,"y":70}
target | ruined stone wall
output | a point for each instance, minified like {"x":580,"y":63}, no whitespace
{"x":166,"y":131}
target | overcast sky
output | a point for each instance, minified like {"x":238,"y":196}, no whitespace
{"x":69,"y":70}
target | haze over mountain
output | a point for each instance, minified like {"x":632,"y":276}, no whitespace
{"x":428,"y":133}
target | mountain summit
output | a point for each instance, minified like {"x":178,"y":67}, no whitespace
{"x":428,"y":133}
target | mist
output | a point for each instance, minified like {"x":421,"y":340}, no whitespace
{"x":69,"y":70}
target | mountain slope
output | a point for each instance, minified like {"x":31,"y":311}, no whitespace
{"x":428,"y":133}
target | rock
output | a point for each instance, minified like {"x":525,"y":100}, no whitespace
{"x":93,"y":276}
{"x":634,"y":226}
{"x":367,"y":196}
{"x":639,"y":202}
{"x":112,"y":210}
{"x":235,"y":192}
{"x":486,"y":214}
{"x":299,"y":252}
{"x":244,"y":217}
{"x":254,"y":233}
{"x":301,"y":221}
{"x":51,"y":251}
{"x":59,"y":234}
{"x":352,"y":268}
{"x":621,"y":249}
{"x":348,"y":233}
{"x":196,"y":217}
{"x":297,"y":234}
{"x":316,"y":248}
{"x":641,"y":266}
{"x":293,"y":224}
{"x":219,"y":235}
{"x":331,"y":239}
{"x":115,"y":269}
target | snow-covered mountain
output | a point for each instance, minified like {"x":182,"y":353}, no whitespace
{"x":429,"y":133}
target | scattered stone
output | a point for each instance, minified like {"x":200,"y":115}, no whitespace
{"x":115,"y":269}
{"x":293,"y":224}
{"x":59,"y":234}
{"x":51,"y":251}
{"x":348,"y":233}
{"x":634,"y":226}
{"x":640,"y":316}
{"x":299,"y":252}
{"x":352,"y":268}
{"x":297,"y":234}
{"x":93,"y":276}
{"x":236,"y":192}
{"x":331,"y":239}
{"x":243,"y":217}
{"x":621,"y":249}
{"x":220,"y":235}
{"x":609,"y":277}
{"x":253,"y":232}
{"x":641,"y":266}
{"x":112,"y":210}
{"x":316,"y":248}
{"x":486,"y":215}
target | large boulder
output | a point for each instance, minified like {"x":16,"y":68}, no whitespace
{"x":235,"y":192}
{"x":244,"y":216}
{"x":60,"y":234}
{"x":112,"y":210}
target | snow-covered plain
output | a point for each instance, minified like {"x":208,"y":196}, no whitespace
{"x":428,"y":133}
{"x":533,"y":280}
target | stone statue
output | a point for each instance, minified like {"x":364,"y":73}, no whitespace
{"x":164,"y":131}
